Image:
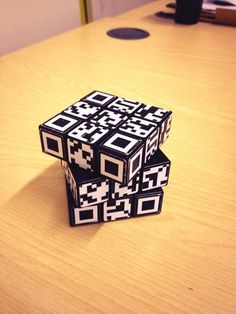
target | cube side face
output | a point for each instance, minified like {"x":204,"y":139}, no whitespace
{"x":82,"y":216}
{"x":123,"y":105}
{"x":144,"y":130}
{"x":82,"y":144}
{"x":88,"y":189}
{"x":148,"y":203}
{"x":120,"y":157}
{"x":99,"y":98}
{"x":53,"y":133}
{"x":125,"y":190}
{"x":117,"y":209}
{"x":165,"y":130}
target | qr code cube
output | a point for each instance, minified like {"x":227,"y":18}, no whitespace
{"x":155,"y":172}
{"x":86,"y":187}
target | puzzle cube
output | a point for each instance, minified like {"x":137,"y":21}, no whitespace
{"x":87,"y":188}
{"x":120,"y":157}
{"x":145,"y":131}
{"x":161,"y":116}
{"x":155,"y":172}
{"x":147,"y":202}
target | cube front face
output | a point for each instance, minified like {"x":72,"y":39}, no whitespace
{"x":148,"y":203}
{"x":120,"y":157}
{"x":124,"y":208}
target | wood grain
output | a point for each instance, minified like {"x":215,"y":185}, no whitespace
{"x":182,"y":261}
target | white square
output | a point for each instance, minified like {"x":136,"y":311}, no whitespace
{"x":125,"y":150}
{"x":140,"y":203}
{"x":118,"y":162}
{"x":51,"y":124}
{"x":99,"y":102}
{"x":79,"y":221}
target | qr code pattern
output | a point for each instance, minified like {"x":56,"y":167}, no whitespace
{"x":124,"y":105}
{"x":109,"y":119}
{"x":93,"y":192}
{"x":151,"y":113}
{"x":88,"y":132}
{"x":138,"y":127}
{"x":155,"y":177}
{"x":165,"y":130}
{"x":70,"y":179}
{"x":123,"y":190}
{"x":117,"y":209}
{"x":80,"y":154}
{"x":82,"y":110}
{"x":151,"y":145}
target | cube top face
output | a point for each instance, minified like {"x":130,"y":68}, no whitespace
{"x":82,"y":110}
{"x":152,"y":113}
{"x":138,"y":127}
{"x":148,"y":203}
{"x":109,"y":119}
{"x":99,"y":98}
{"x":61,"y":123}
{"x":88,"y":132}
{"x":121,"y":143}
{"x":124,"y":105}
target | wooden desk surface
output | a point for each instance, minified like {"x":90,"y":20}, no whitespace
{"x":183,"y":261}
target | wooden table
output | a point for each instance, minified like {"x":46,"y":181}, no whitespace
{"x":183,"y":261}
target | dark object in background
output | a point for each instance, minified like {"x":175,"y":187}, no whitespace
{"x":188,"y":11}
{"x":128,"y":33}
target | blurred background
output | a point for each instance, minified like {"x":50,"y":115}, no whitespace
{"x":24,"y":22}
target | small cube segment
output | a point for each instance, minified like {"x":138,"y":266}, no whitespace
{"x":117,"y":209}
{"x":82,"y":110}
{"x":82,"y":143}
{"x":123,"y":105}
{"x":162,"y":117}
{"x":53,"y":134}
{"x":86,"y":187}
{"x":82,"y":216}
{"x":119,"y":190}
{"x":120,"y":157}
{"x":145,"y":131}
{"x":109,"y":119}
{"x":155,"y":172}
{"x":147,"y":202}
{"x":99,"y":98}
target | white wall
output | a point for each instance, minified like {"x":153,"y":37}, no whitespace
{"x":23,"y":22}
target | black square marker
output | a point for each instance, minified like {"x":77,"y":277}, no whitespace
{"x":111,"y":167}
{"x":121,"y":142}
{"x":86,"y":214}
{"x":135,"y":163}
{"x":147,"y":205}
{"x":52,"y":145}
{"x":100,"y":97}
{"x":61,"y":122}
